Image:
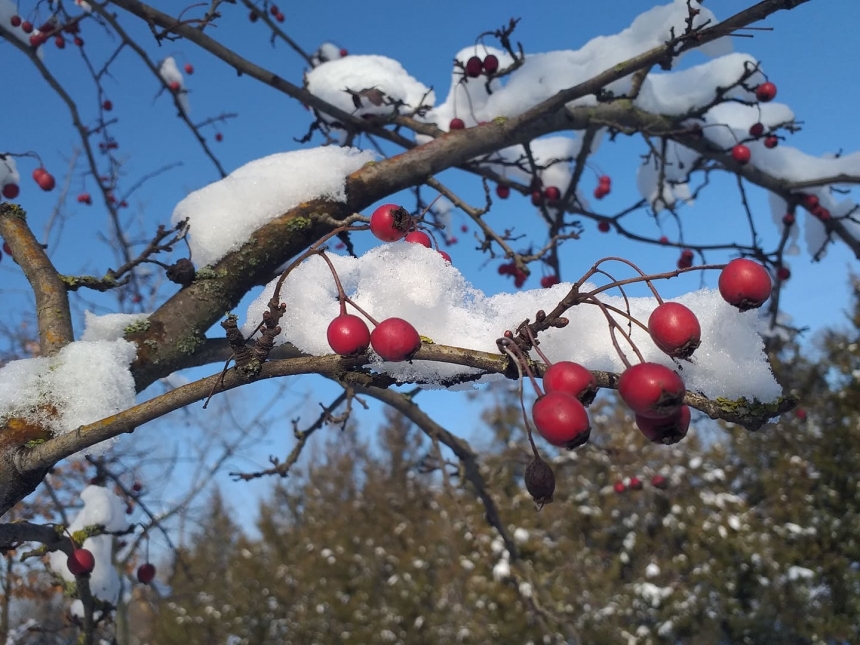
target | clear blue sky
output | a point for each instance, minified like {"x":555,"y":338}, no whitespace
{"x":809,"y":54}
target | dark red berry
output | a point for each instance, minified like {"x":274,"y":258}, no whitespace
{"x":788,"y":219}
{"x":658,"y":481}
{"x":537,"y":198}
{"x":11,"y":191}
{"x":15,"y":21}
{"x":771,"y":142}
{"x":603,"y":226}
{"x":549,"y":281}
{"x":783,"y":274}
{"x":756,"y":129}
{"x":474,"y":67}
{"x":503,"y":191}
{"x":635,"y":483}
{"x":552,"y":193}
{"x":45,"y":179}
{"x":146,"y":573}
{"x":490,"y":64}
{"x":456,"y":124}
{"x":667,"y":430}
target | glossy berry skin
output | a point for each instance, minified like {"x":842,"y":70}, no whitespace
{"x":741,"y":154}
{"x":552,"y":193}
{"x":503,"y":191}
{"x":490,"y":64}
{"x":44,"y":179}
{"x":11,"y":191}
{"x":651,"y":390}
{"x":474,"y":67}
{"x":668,"y":430}
{"x":146,"y":573}
{"x":457,"y":124}
{"x":744,"y":284}
{"x":570,"y":378}
{"x":419,"y":237}
{"x":765,"y":92}
{"x":390,"y":222}
{"x":675,"y":329}
{"x":561,"y":419}
{"x":81,"y":562}
{"x":348,"y":335}
{"x":395,"y":339}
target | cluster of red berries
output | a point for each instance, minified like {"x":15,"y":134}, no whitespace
{"x":550,"y":194}
{"x":811,"y":203}
{"x":519,"y":276}
{"x":475,"y":66}
{"x":654,"y":392}
{"x":741,"y":153}
{"x":604,"y":186}
{"x":657,"y":481}
{"x":46,"y":31}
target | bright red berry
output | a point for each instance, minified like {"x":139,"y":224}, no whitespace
{"x":675,"y":329}
{"x":552,"y":193}
{"x":744,"y":284}
{"x":457,"y":124}
{"x":635,"y":483}
{"x":419,"y":237}
{"x":600,"y":192}
{"x":11,"y":191}
{"x":771,"y":142}
{"x":667,"y":430}
{"x":490,"y":64}
{"x":390,"y":222}
{"x":81,"y":562}
{"x":571,"y":378}
{"x":619,"y":487}
{"x":189,"y":68}
{"x":45,"y":179}
{"x":445,"y":256}
{"x":651,"y":389}
{"x":756,"y":129}
{"x":741,"y":154}
{"x":765,"y":92}
{"x":474,"y":67}
{"x":395,"y":339}
{"x":146,"y":573}
{"x":606,"y":181}
{"x":348,"y":335}
{"x":503,"y":191}
{"x":658,"y":481}
{"x":561,"y":419}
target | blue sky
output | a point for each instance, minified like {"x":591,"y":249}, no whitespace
{"x":809,"y":55}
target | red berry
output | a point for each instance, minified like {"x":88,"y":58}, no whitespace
{"x":561,"y":420}
{"x":783,"y":274}
{"x":687,"y":253}
{"x":219,"y":137}
{"x":756,"y":129}
{"x":552,"y":193}
{"x":79,"y":42}
{"x":506,"y":269}
{"x":771,"y":142}
{"x":664,"y":239}
{"x":37,"y":40}
{"x":549,"y":281}
{"x":603,"y":226}
{"x":788,"y":219}
{"x":474,"y":67}
{"x":394,"y":339}
{"x":253,"y":16}
{"x":600,"y":192}
{"x":15,"y":21}
{"x":60,"y":42}
{"x":444,"y":255}
{"x":279,"y":17}
{"x":744,"y":284}
{"x":343,"y":52}
{"x":107,"y":105}
{"x":741,"y":154}
{"x":274,"y":10}
{"x":137,"y":486}
{"x":810,"y":201}
{"x":81,"y":562}
{"x":464,"y":228}
{"x":85,"y":198}
{"x":348,"y":335}
{"x":658,"y":481}
{"x":490,"y":64}
{"x":11,"y":191}
{"x":570,"y":378}
{"x":390,"y":222}
{"x":686,"y":259}
{"x":675,"y":329}
{"x":45,"y":179}
{"x":765,"y":92}
{"x":821,"y":213}
{"x":667,"y":430}
{"x":419,"y":237}
{"x":606,"y":181}
{"x":800,"y":413}
{"x":619,"y":487}
{"x":456,"y":124}
{"x":635,"y":483}
{"x":146,"y":573}
{"x":189,"y":68}
{"x":27,"y":27}
{"x":651,"y":389}
{"x":537,"y":198}
{"x":174,"y":86}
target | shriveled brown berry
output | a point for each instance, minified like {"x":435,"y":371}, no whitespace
{"x":182,"y":272}
{"x":540,"y":481}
